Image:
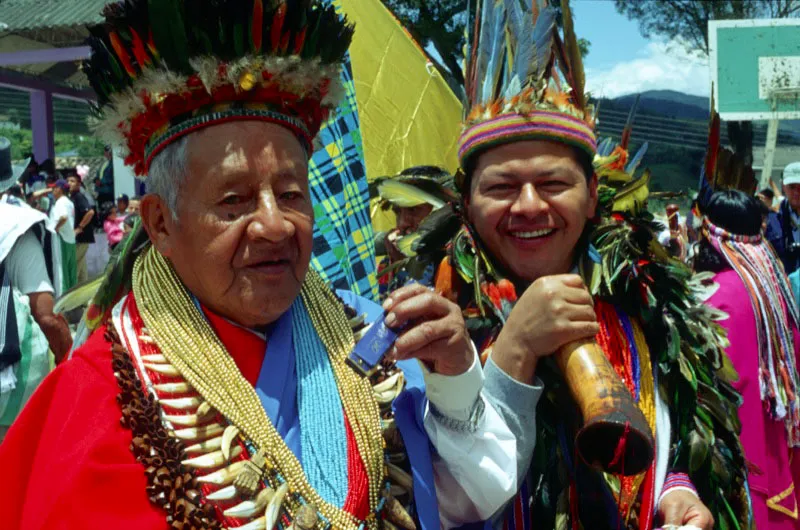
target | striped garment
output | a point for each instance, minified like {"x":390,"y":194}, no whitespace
{"x":344,"y":253}
{"x":34,"y":365}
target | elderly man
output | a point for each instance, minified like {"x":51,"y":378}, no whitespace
{"x":783,"y":226}
{"x":529,"y":198}
{"x":28,"y":326}
{"x":224,"y":389}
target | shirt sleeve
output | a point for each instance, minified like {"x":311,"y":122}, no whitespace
{"x":475,"y":459}
{"x":26,"y":267}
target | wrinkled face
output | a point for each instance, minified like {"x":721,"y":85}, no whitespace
{"x":792,"y":193}
{"x":74,"y":184}
{"x":408,"y":219}
{"x":529,"y":202}
{"x":242,"y":241}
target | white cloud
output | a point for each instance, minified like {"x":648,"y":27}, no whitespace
{"x":660,"y":67}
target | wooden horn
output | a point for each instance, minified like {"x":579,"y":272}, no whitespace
{"x":615,"y":435}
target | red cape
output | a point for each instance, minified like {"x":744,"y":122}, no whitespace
{"x":66,"y":460}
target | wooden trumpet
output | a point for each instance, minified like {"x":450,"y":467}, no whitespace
{"x":615,"y":435}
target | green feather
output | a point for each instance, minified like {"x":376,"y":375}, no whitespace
{"x":169,"y":33}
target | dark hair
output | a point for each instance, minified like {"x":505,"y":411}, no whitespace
{"x":425,"y":171}
{"x":768,"y":193}
{"x":16,"y":191}
{"x":48,"y":166}
{"x":735,"y":211}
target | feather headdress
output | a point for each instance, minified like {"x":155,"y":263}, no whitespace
{"x":164,"y":68}
{"x":619,"y":189}
{"x":523,"y":81}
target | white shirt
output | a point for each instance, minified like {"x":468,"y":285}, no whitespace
{"x":476,"y":471}
{"x":64,"y":208}
{"x":26,"y":267}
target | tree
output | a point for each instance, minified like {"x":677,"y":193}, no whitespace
{"x":441,"y":23}
{"x":686,"y":22}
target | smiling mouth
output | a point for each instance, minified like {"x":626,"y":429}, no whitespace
{"x":533,"y":234}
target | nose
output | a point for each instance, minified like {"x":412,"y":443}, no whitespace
{"x":528,"y":204}
{"x":269,"y":222}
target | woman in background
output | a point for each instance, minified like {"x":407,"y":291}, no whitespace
{"x":762,"y":325}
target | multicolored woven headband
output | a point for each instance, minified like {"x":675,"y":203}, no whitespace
{"x":724,"y":235}
{"x":538,"y":125}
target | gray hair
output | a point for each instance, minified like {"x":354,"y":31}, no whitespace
{"x":168,"y":172}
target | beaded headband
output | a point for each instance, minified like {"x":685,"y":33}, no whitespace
{"x":164,"y":69}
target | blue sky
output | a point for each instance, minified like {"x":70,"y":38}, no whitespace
{"x":621,"y":61}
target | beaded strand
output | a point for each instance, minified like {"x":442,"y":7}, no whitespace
{"x":188,"y":342}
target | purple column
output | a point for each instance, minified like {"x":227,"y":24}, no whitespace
{"x":42,"y":124}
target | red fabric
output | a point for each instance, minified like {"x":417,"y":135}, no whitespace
{"x":66,"y":460}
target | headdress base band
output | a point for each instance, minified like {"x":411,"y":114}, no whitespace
{"x":177,"y":131}
{"x":539,"y":125}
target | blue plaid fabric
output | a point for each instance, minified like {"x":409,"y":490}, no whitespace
{"x":344,"y":251}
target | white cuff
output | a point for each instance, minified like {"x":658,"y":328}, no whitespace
{"x":455,"y":395}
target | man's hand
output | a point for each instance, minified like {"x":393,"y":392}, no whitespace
{"x":78,"y":231}
{"x":681,"y":508}
{"x":553,"y":311}
{"x":434,"y":332}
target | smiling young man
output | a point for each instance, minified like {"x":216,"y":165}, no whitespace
{"x":532,"y":230}
{"x":217,"y":390}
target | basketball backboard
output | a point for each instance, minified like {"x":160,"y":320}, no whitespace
{"x":755,"y":68}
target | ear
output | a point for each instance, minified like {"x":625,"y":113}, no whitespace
{"x":158,"y":222}
{"x":592,"y":197}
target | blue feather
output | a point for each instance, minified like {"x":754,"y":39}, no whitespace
{"x":491,"y":49}
{"x":605,"y":147}
{"x":542,"y":37}
{"x":634,"y":162}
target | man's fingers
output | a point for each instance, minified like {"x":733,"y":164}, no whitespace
{"x":426,"y":304}
{"x":570,"y":280}
{"x":415,"y":342}
{"x":404,"y":293}
{"x":575,"y":295}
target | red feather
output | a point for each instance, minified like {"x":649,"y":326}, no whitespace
{"x":626,"y":136}
{"x":138,"y":49}
{"x":277,"y":26}
{"x":713,"y":146}
{"x":258,"y":21}
{"x":122,"y":53}
{"x":299,"y":40}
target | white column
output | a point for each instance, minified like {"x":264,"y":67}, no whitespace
{"x":769,"y":154}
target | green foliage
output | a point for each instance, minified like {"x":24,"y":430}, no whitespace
{"x":22,"y":143}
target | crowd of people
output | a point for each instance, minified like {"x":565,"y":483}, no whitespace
{"x":545,"y":352}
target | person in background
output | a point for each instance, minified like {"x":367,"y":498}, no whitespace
{"x":84,"y":231}
{"x":114,"y":225}
{"x":104,"y":182}
{"x":762,"y":329}
{"x":783,"y":226}
{"x":133,"y":205}
{"x":766,"y":196}
{"x":30,"y":179}
{"x":62,"y":218}
{"x":28,"y":326}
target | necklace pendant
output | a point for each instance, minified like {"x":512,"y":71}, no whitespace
{"x":249,"y":478}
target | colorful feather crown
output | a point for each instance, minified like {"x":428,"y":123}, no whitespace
{"x":522,"y":81}
{"x":722,"y":168}
{"x":164,"y":68}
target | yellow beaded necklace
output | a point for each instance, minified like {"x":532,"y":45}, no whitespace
{"x":190,"y":344}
